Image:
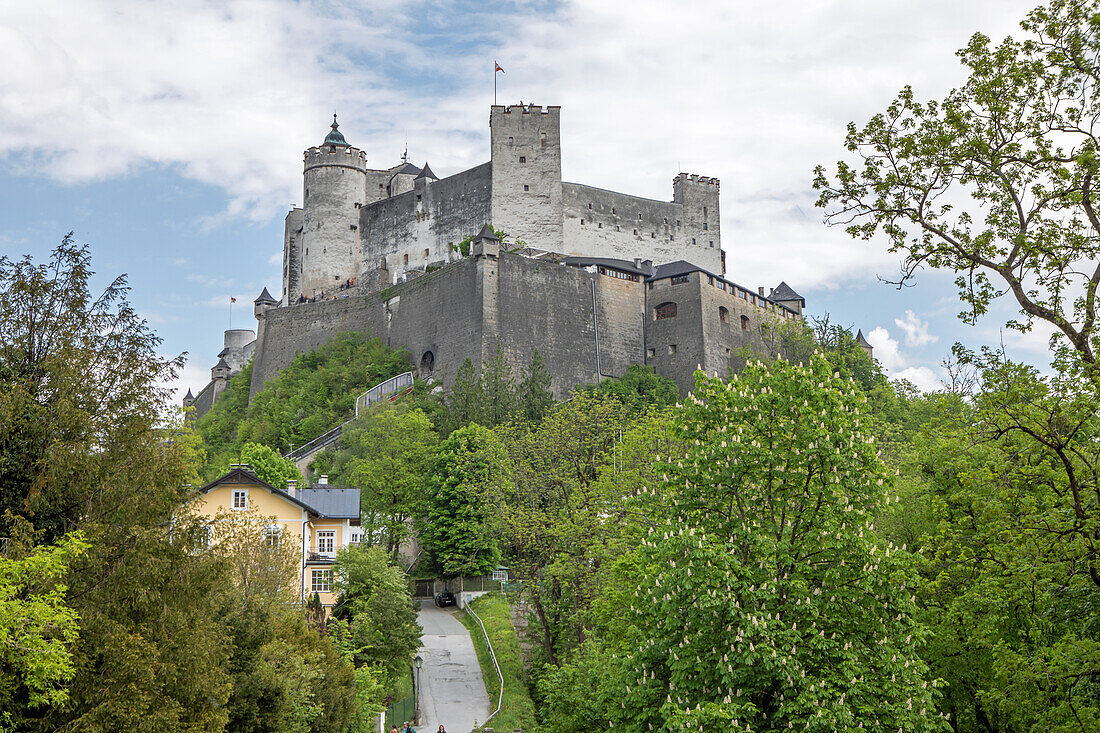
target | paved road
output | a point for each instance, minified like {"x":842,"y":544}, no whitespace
{"x":452,"y":691}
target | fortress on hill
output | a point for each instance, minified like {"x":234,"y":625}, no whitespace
{"x":595,"y":280}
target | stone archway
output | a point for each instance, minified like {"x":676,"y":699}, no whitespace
{"x":427,"y":364}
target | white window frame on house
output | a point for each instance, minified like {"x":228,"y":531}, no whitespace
{"x":326,"y":536}
{"x":273,"y":535}
{"x":242,"y":505}
{"x":355,"y":537}
{"x":320,"y":581}
{"x":499,"y":576}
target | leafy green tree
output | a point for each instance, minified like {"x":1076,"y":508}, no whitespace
{"x":312,"y":395}
{"x":466,"y":402}
{"x":1009,"y":590}
{"x":88,"y":444}
{"x":500,"y":389}
{"x":761,"y":598}
{"x":268,"y":465}
{"x":640,"y":387}
{"x":534,"y":397}
{"x":459,"y":530}
{"x":375,"y":600}
{"x":285,"y":675}
{"x":387,"y":454}
{"x":561,"y":501}
{"x":37,"y":628}
{"x":996,"y":183}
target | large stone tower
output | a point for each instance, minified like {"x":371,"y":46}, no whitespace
{"x":335,"y":188}
{"x":701,"y":224}
{"x":526,"y":186}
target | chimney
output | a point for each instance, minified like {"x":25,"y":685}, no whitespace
{"x":324,"y":479}
{"x":761,"y":291}
{"x":292,"y":488}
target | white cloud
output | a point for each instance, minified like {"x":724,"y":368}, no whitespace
{"x":230,"y":92}
{"x":922,"y":377}
{"x":916,"y":330}
{"x":886,"y":349}
{"x":276,"y":258}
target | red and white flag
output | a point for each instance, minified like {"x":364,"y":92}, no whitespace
{"x":497,"y":68}
{"x":232,"y":299}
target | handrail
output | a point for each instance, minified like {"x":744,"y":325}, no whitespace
{"x":400,"y":383}
{"x":380,"y":390}
{"x":493,"y":656}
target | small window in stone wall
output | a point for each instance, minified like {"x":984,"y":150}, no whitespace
{"x":663,"y":311}
{"x":744,"y":323}
{"x":681,"y":279}
{"x":426,"y":255}
{"x":404,"y":259}
{"x":671,"y":349}
{"x":650,"y":353}
{"x":723,"y":314}
{"x":526,"y":187}
{"x":523,"y":159}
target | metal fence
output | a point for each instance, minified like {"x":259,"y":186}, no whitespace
{"x":400,"y":712}
{"x":394,"y":385}
{"x":428,"y":587}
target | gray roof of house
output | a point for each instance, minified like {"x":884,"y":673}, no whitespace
{"x":222,"y":364}
{"x":486,"y":233}
{"x":405,"y":168}
{"x":329,"y":501}
{"x":785,"y":292}
{"x":426,"y":172}
{"x":861,"y":340}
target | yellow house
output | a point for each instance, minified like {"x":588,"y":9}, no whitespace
{"x":320,"y":519}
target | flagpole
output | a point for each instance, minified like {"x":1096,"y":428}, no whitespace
{"x":230,"y":314}
{"x":494,"y":83}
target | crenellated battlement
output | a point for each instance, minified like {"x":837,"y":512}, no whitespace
{"x":335,"y":155}
{"x":527,"y":109}
{"x":682,"y":178}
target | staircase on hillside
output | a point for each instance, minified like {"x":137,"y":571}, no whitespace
{"x":390,"y":390}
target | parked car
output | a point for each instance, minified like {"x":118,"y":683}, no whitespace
{"x":446,"y":598}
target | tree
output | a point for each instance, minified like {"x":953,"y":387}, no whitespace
{"x":500,"y":389}
{"x":387,"y":454}
{"x":458,"y":530}
{"x":285,"y":675}
{"x":1010,"y":553}
{"x":88,"y":444}
{"x":375,"y":600}
{"x":534,"y":395}
{"x":268,"y":465}
{"x":467,"y":402}
{"x":37,"y":628}
{"x":761,"y":598}
{"x":312,"y":395}
{"x":997,"y":182}
{"x":640,"y":387}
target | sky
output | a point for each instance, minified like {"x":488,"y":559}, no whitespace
{"x":168,"y":136}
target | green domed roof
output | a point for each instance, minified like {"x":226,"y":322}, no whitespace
{"x":335,"y":137}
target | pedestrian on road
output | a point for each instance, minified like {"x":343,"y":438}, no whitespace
{"x":441,"y":729}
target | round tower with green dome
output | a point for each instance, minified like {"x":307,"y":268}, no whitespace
{"x":335,"y":182}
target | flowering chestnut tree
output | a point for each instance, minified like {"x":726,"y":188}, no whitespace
{"x":762,"y":599}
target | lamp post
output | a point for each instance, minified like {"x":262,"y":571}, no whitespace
{"x":416,"y":689}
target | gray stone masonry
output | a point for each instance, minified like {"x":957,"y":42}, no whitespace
{"x":467,"y":308}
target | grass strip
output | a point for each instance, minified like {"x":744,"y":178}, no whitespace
{"x":516,"y":710}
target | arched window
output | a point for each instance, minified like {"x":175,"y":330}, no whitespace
{"x":744,"y":323}
{"x":427,"y":364}
{"x":664,"y":310}
{"x":723,"y":314}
